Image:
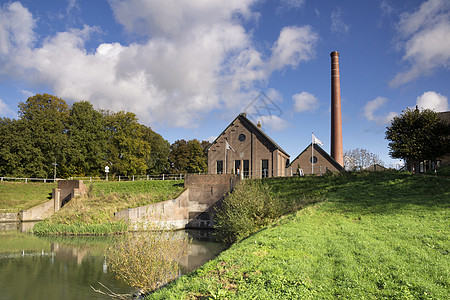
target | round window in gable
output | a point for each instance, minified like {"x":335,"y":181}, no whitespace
{"x":241,"y":137}
{"x":313,"y":159}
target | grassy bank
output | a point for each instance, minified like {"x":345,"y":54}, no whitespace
{"x":18,"y":196}
{"x":94,"y":213}
{"x":366,"y":236}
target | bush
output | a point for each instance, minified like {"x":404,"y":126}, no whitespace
{"x":147,"y":259}
{"x":249,"y":208}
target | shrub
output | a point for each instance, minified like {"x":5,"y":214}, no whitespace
{"x":146,"y":259}
{"x":243,"y":212}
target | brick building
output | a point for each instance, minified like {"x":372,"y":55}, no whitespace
{"x":309,"y":162}
{"x":244,"y":148}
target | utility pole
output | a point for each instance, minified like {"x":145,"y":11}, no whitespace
{"x":54,"y":173}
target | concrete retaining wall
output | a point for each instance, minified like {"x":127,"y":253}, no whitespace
{"x":39,"y":212}
{"x":194,"y":208}
{"x":205,"y":192}
{"x":9,"y":217}
{"x":170,"y":214}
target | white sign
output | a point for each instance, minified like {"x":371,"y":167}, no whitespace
{"x":106,"y":169}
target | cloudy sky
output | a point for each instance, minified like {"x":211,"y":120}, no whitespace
{"x":188,"y":67}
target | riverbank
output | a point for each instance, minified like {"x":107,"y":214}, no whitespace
{"x":93,"y":213}
{"x":379,"y":235}
{"x":18,"y":196}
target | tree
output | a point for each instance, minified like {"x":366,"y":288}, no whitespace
{"x":187,"y":157}
{"x":158,"y":161}
{"x":43,"y":122}
{"x":87,"y":139}
{"x":360,"y":159}
{"x":127,"y":151}
{"x":418,"y":135}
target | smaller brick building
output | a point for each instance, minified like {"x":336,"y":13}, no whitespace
{"x":243,"y":148}
{"x":319,"y":160}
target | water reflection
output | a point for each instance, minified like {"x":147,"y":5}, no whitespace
{"x":66,"y":267}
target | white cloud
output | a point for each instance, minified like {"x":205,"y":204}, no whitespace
{"x":295,"y":44}
{"x":425,"y":34}
{"x":5,"y":109}
{"x":193,"y":57}
{"x":16,"y":27}
{"x":337,"y":22}
{"x":433,"y":100}
{"x":305,"y":101}
{"x":372,"y":106}
{"x":274,"y":123}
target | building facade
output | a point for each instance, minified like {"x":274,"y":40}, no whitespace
{"x":243,"y":148}
{"x":313,"y":161}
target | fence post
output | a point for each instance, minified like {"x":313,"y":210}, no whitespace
{"x":119,"y":178}
{"x":133,"y":177}
{"x":147,"y":177}
{"x":26,"y":180}
{"x":163,"y":176}
{"x":90,"y":179}
{"x":45,"y":180}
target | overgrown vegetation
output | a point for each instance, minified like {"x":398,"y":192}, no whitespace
{"x":373,"y":236}
{"x":18,"y":196}
{"x":146,"y":260}
{"x":94,"y":213}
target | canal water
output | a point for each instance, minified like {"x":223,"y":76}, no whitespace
{"x":66,"y":267}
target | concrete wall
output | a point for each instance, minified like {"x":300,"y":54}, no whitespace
{"x":9,"y":217}
{"x":171,"y":214}
{"x":194,"y":208}
{"x":69,"y":189}
{"x":205,"y":191}
{"x":39,"y":212}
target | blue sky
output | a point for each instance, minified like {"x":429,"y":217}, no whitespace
{"x":187,"y":68}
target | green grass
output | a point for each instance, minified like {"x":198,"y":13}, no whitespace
{"x":157,"y":188}
{"x":368,"y":236}
{"x":94,"y":213}
{"x":18,"y":196}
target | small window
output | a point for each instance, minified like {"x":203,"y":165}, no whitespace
{"x":220,"y":167}
{"x":313,"y":160}
{"x":242,"y":137}
{"x":264,"y":168}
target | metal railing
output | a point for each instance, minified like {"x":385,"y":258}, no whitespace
{"x":26,"y":180}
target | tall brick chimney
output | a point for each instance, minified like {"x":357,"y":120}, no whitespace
{"x":337,"y":151}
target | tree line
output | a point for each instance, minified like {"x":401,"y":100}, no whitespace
{"x":81,"y":141}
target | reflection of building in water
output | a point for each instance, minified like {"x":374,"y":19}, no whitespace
{"x":68,"y":253}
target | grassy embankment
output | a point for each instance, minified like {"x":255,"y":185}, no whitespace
{"x":94,"y":213}
{"x":368,"y":236}
{"x":18,"y":196}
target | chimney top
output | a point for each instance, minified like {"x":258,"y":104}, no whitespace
{"x":334,"y":53}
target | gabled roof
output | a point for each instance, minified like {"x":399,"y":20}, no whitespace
{"x":243,"y":118}
{"x":321,"y":152}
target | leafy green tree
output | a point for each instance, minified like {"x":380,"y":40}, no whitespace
{"x":187,"y":157}
{"x":127,"y":151}
{"x":18,"y":156}
{"x":43,"y":121}
{"x":158,"y":161}
{"x":88,"y":140}
{"x":418,"y":135}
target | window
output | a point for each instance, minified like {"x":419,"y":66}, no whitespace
{"x":237,"y":167}
{"x":246,"y":168}
{"x":241,"y":137}
{"x":313,"y":160}
{"x":220,"y":167}
{"x":264,"y":168}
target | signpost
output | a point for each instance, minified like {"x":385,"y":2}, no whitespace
{"x":106,"y":171}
